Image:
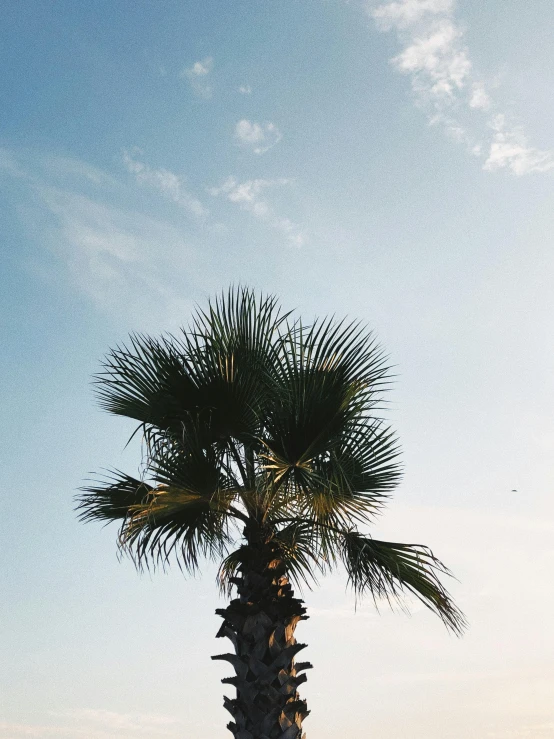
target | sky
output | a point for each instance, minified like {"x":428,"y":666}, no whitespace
{"x":391,"y":161}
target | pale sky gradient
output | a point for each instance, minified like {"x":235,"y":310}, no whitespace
{"x":390,"y":161}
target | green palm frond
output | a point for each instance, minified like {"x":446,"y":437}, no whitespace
{"x":112,"y":499}
{"x":187,"y":461}
{"x":148,"y":381}
{"x":217,"y":371}
{"x":185,"y":509}
{"x":350,"y":482}
{"x":390,"y":570}
{"x":240,"y":324}
{"x":175,"y":522}
{"x":347,"y":352}
{"x":229,"y":569}
{"x":300,"y":552}
{"x":160,"y":520}
{"x":321,"y":438}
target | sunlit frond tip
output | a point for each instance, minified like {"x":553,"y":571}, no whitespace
{"x":158,"y":522}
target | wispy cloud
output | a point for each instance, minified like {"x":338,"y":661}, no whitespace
{"x":9,"y":165}
{"x":137,"y":723}
{"x":167,"y":183}
{"x":104,"y":238}
{"x":248,"y":195}
{"x":198,"y":76}
{"x":55,"y":168}
{"x":260,"y":137}
{"x":436,"y":58}
{"x":96,"y":724}
{"x":115,"y":256}
{"x":122,"y":259}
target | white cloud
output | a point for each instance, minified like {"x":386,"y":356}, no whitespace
{"x":260,"y":137}
{"x":198,"y":75}
{"x":248,"y":132}
{"x":437,"y":61}
{"x":248,"y":196}
{"x":167,"y":183}
{"x":408,"y":12}
{"x":479,"y":97}
{"x":247,"y":192}
{"x":510,"y":148}
{"x":456,"y":133}
{"x":245,"y":90}
{"x":291,"y":230}
{"x":201,"y":69}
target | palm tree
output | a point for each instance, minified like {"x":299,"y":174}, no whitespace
{"x":263,"y":451}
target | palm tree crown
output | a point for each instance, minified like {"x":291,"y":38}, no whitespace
{"x":262,"y":434}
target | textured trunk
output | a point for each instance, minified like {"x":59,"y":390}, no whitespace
{"x":260,"y":623}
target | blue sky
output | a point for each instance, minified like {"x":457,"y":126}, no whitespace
{"x":391,"y":161}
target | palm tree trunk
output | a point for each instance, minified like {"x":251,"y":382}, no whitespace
{"x":261,"y":622}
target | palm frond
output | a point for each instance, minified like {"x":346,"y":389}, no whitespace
{"x":185,"y":510}
{"x":348,"y":351}
{"x":233,"y":346}
{"x":175,"y":523}
{"x":147,"y":381}
{"x":229,"y":569}
{"x":217,"y":371}
{"x":113,"y":499}
{"x":301,"y":552}
{"x":188,"y":462}
{"x":351,"y":482}
{"x":390,"y":570}
{"x":331,"y":377}
{"x":240,"y":322}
